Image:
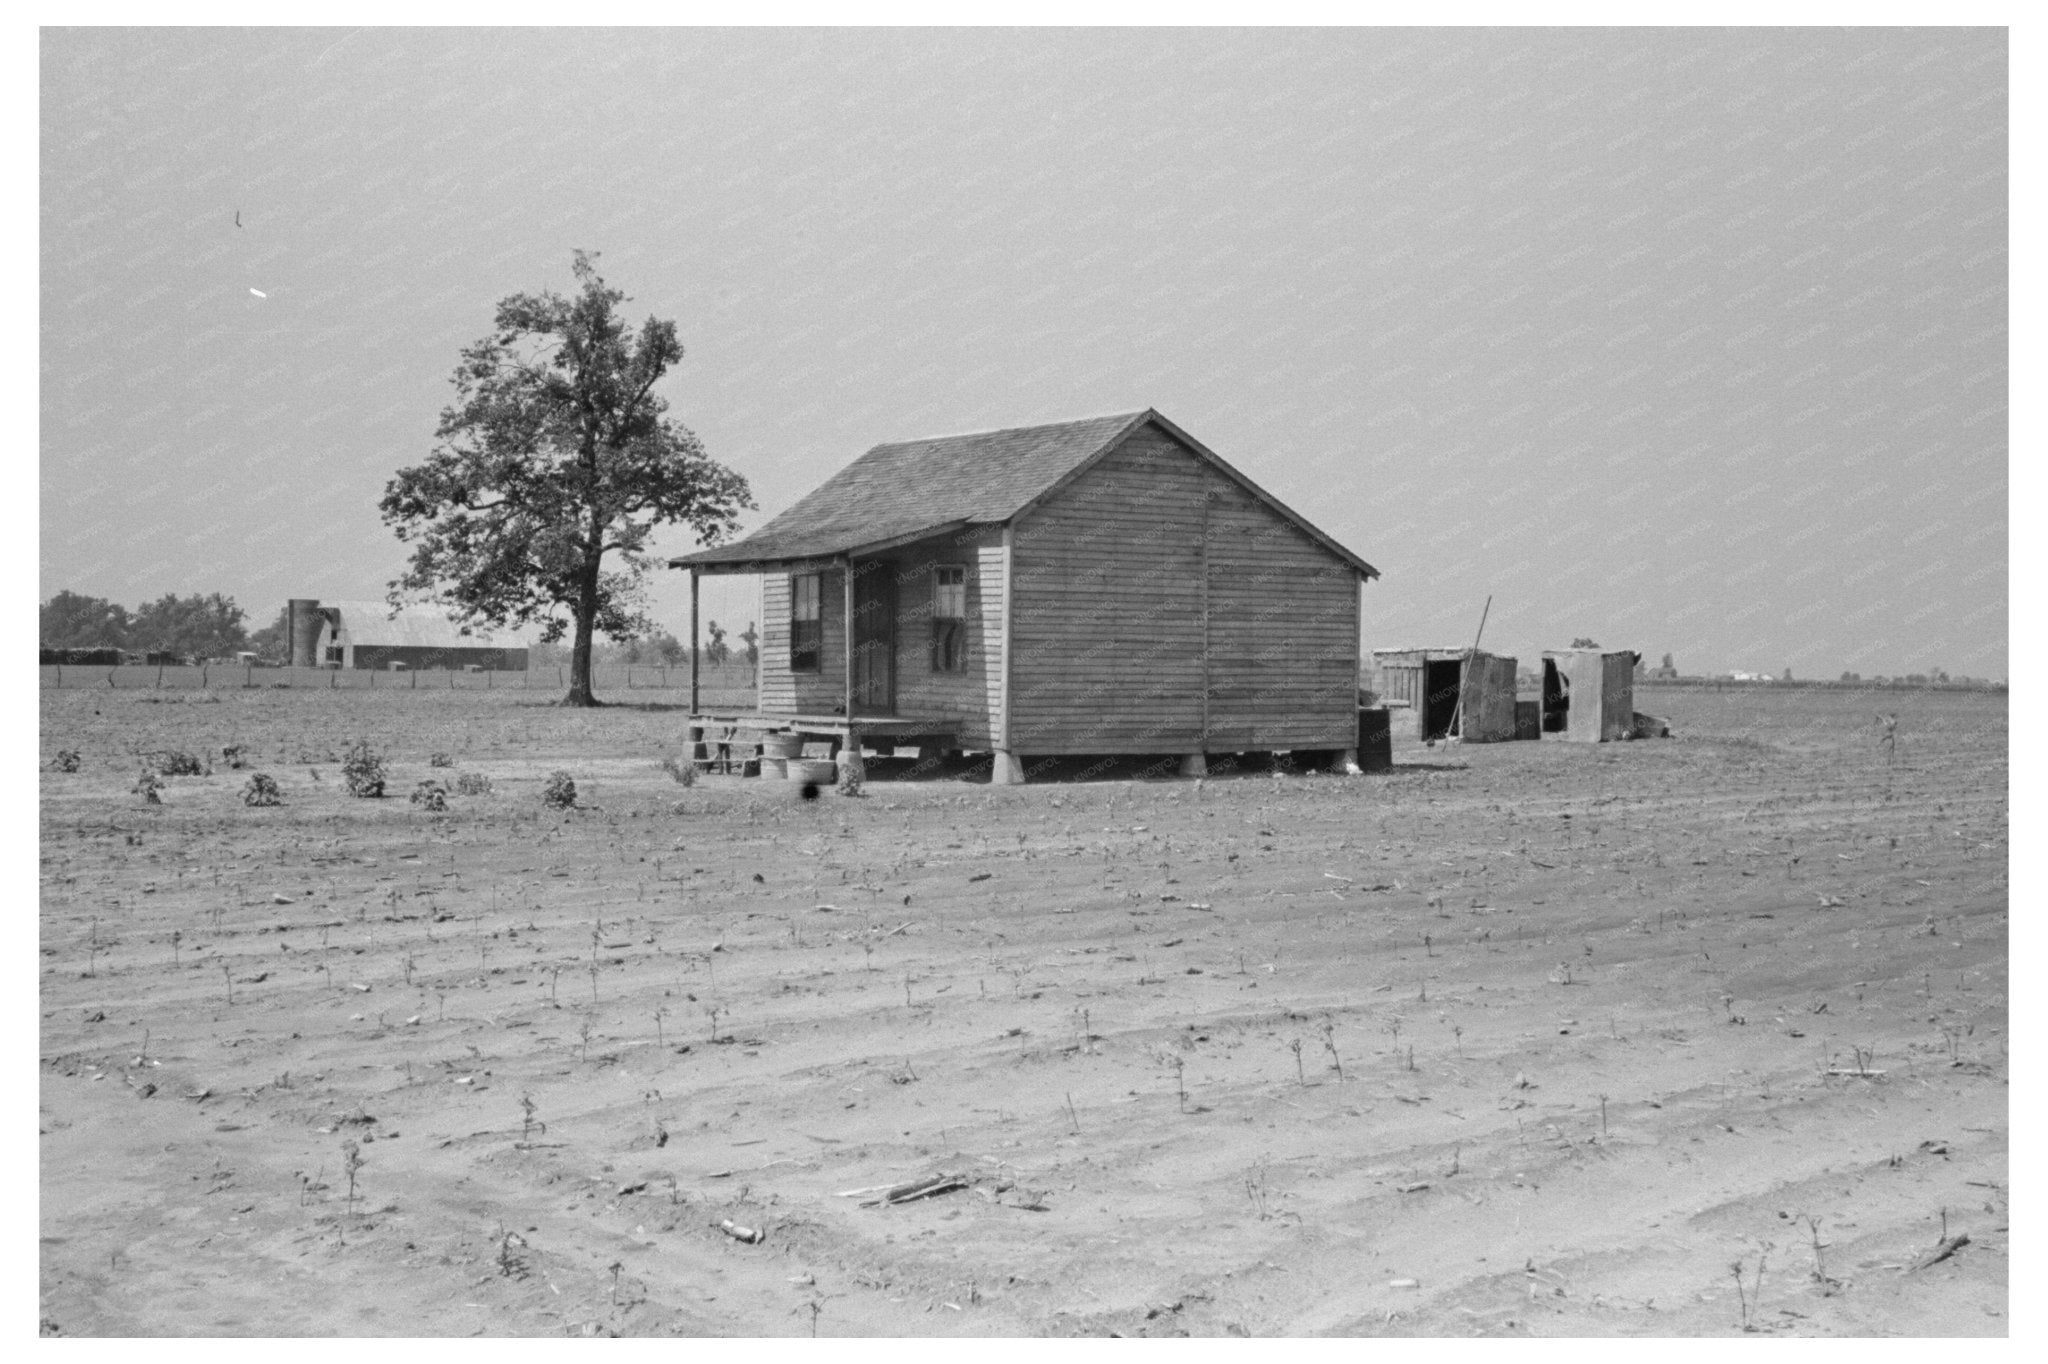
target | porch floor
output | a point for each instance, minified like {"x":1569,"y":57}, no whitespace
{"x":868,"y":726}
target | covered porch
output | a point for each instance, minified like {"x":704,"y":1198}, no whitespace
{"x":850,"y":653}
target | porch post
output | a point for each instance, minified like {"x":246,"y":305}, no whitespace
{"x":1004,"y":768}
{"x":696,"y":729}
{"x":846,"y":576}
{"x":851,"y":770}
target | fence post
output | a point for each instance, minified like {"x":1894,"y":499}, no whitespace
{"x":159,"y":673}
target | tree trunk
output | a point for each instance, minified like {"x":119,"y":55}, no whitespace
{"x":580,"y":693}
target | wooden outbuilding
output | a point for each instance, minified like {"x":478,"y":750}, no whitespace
{"x":1589,"y":695}
{"x":1434,"y":693}
{"x":1108,"y":586}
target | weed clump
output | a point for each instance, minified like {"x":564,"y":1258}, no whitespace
{"x":363,"y":770}
{"x":431,"y":794}
{"x":440,"y":760}
{"x":473,"y":784}
{"x":175,"y":762}
{"x":67,"y":760}
{"x":560,"y":792}
{"x":685,"y":773}
{"x":148,"y":785}
{"x":262,"y":790}
{"x":231,"y":757}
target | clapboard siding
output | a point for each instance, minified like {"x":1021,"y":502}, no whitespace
{"x":1109,"y":616}
{"x":786,"y":693}
{"x":971,"y":695}
{"x":1283,"y":631}
{"x":1108,"y":631}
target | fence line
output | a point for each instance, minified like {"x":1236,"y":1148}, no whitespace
{"x":238,"y":676}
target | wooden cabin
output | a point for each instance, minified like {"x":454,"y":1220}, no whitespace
{"x":1108,"y":586}
{"x":1431,"y":694}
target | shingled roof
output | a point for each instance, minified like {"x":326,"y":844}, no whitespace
{"x":911,"y":489}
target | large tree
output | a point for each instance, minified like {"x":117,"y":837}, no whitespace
{"x":72,"y":620}
{"x":551,"y":471}
{"x":203,"y":627}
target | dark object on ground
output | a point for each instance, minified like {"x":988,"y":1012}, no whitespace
{"x":1375,"y":739}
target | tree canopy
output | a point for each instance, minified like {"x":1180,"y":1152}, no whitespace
{"x":203,"y":627}
{"x":72,"y":620}
{"x":551,"y":471}
{"x":208,"y":626}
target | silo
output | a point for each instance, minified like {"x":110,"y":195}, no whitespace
{"x":303,"y":630}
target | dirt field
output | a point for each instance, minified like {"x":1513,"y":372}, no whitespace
{"x":1526,"y":1039}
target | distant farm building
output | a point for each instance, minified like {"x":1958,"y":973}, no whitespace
{"x":1108,"y":586}
{"x":367,"y":635}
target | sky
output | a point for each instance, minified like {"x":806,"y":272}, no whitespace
{"x":1687,"y":341}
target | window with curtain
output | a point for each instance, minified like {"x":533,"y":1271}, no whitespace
{"x":806,"y":622}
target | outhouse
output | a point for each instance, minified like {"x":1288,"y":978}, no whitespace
{"x":1589,"y":694}
{"x":1423,"y":688}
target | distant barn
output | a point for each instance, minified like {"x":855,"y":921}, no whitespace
{"x":365,"y":634}
{"x":1109,"y":586}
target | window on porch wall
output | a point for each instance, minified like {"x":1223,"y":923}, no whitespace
{"x":949,"y":618}
{"x":806,"y":622}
